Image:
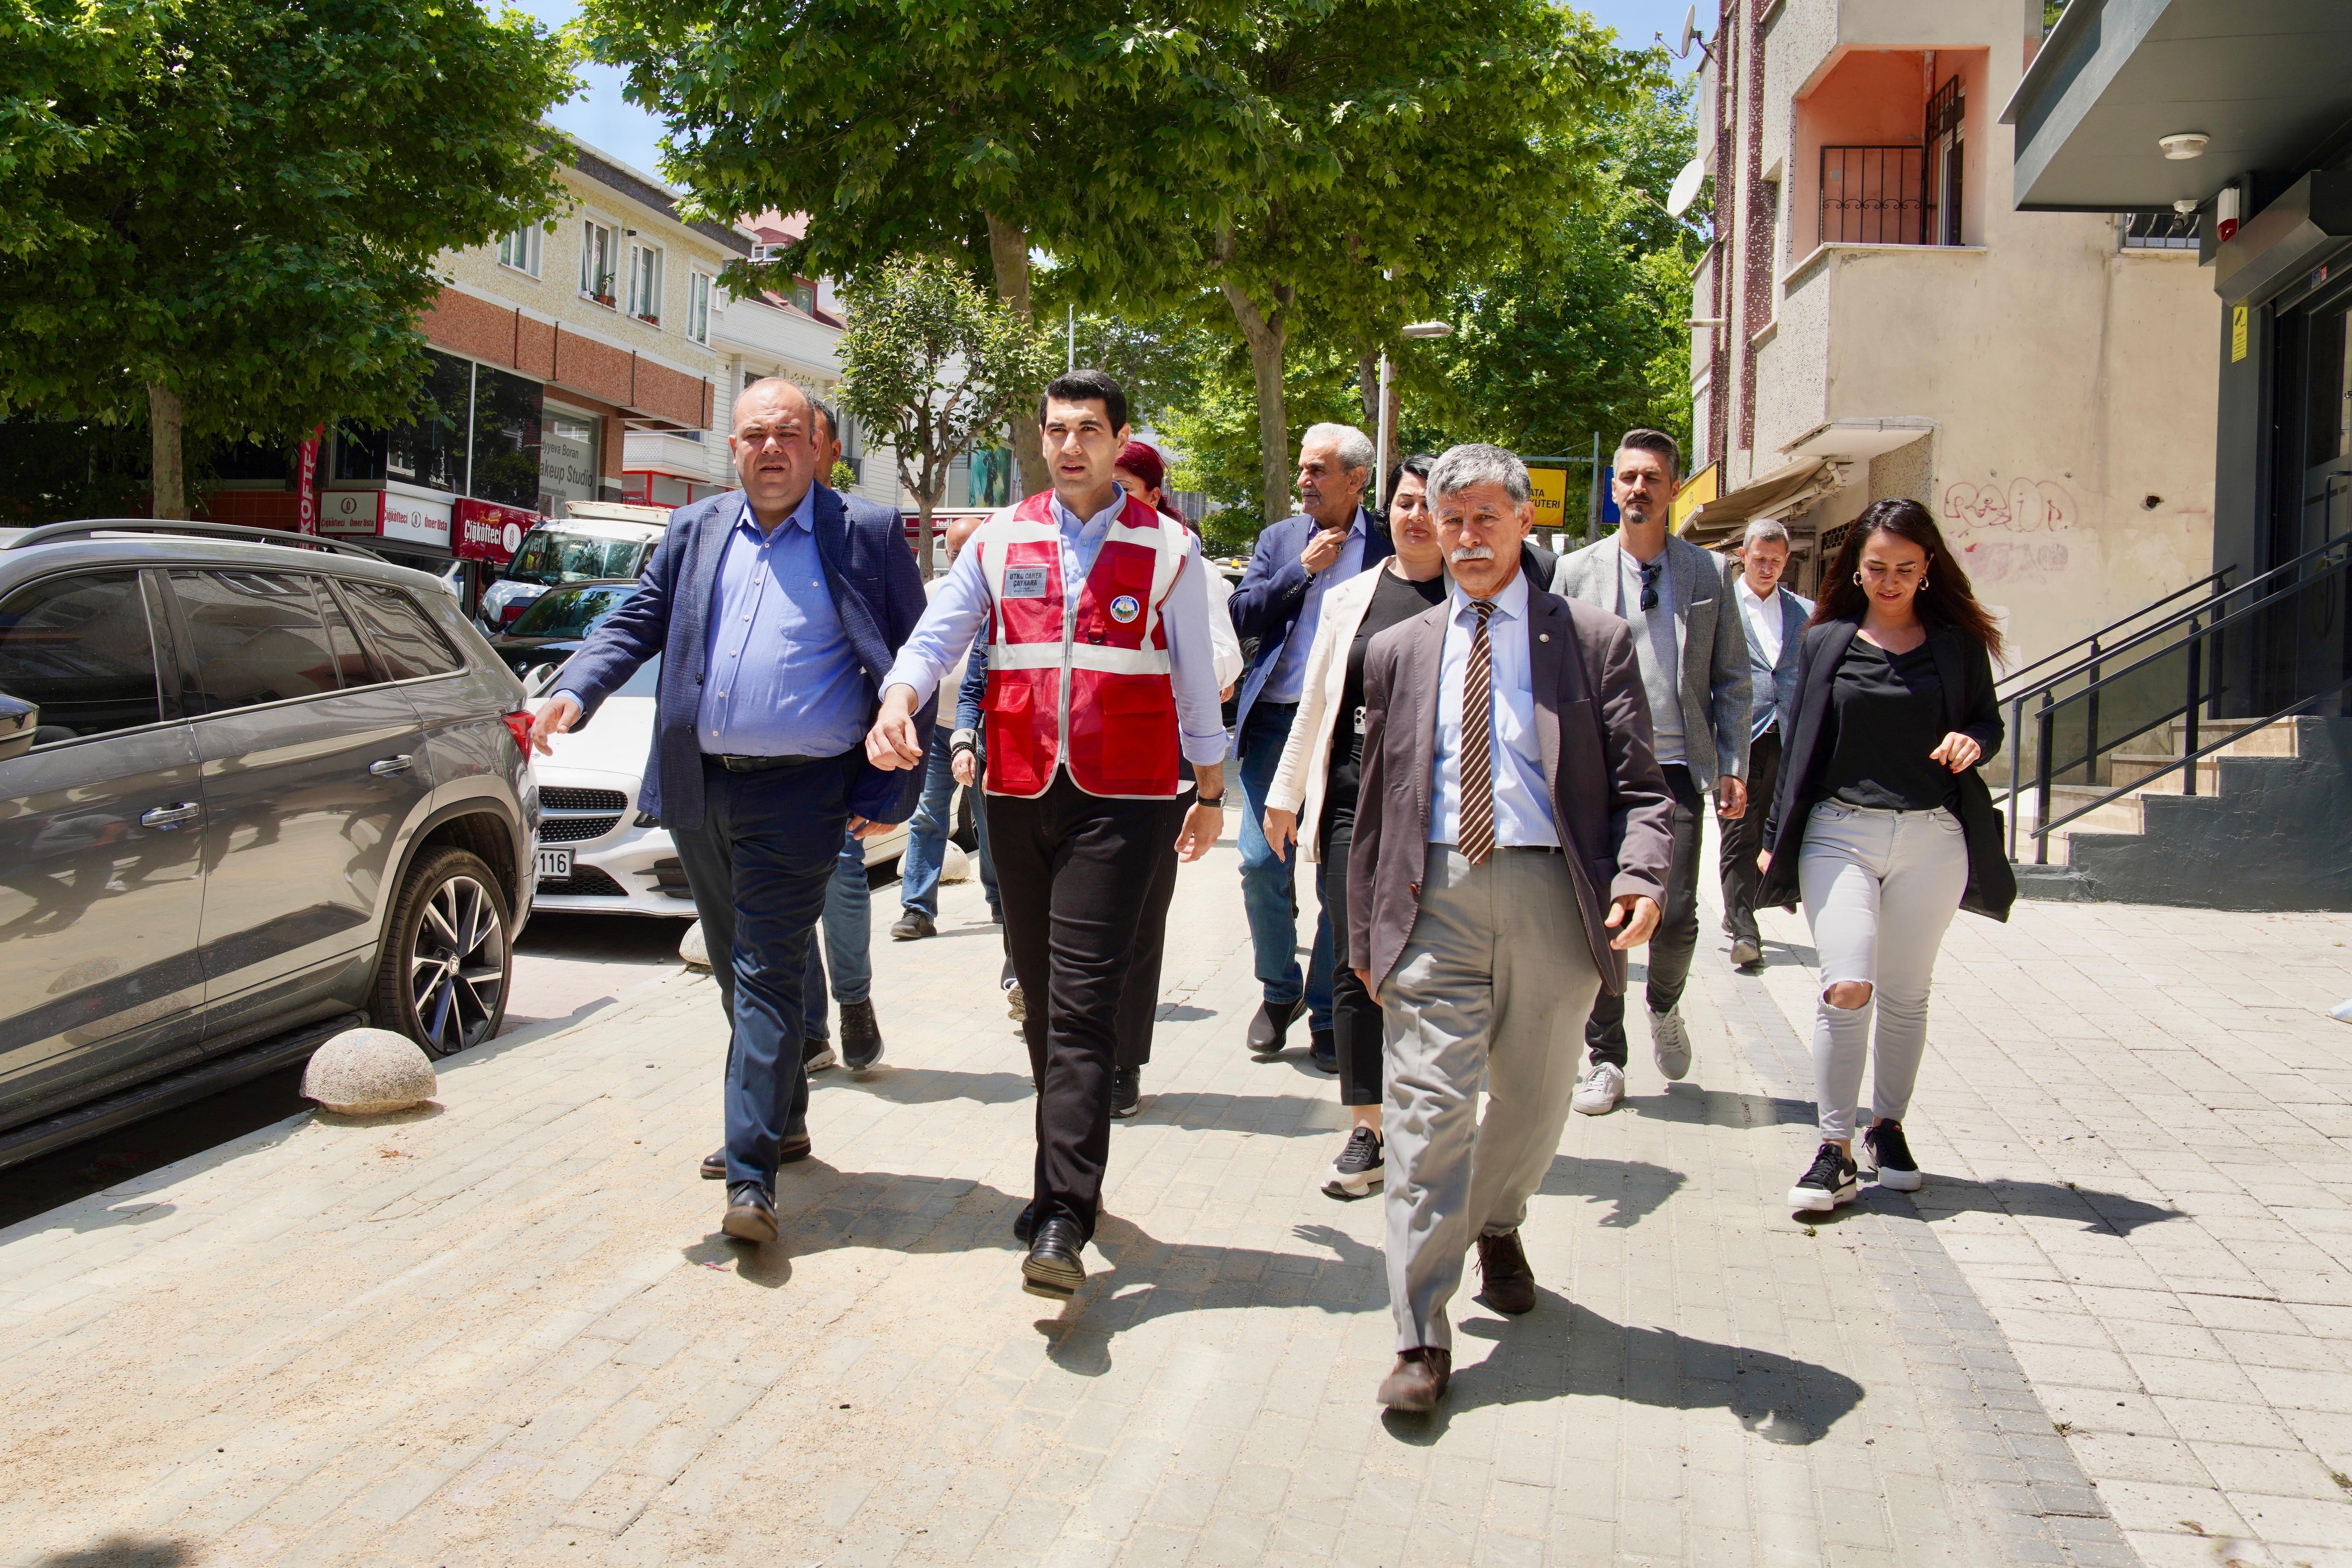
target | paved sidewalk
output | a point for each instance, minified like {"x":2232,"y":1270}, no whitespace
{"x":505,"y":1332}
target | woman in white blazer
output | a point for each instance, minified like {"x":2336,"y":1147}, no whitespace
{"x":1313,"y":798}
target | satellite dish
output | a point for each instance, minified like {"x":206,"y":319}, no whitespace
{"x":1690,"y":32}
{"x":1686,"y":191}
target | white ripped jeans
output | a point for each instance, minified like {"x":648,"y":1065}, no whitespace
{"x":1880,"y":887}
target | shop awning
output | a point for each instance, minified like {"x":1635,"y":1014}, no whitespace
{"x":1859,"y":440}
{"x":1789,"y":489}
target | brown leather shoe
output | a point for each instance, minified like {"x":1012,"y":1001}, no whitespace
{"x":1510,"y":1284}
{"x":1419,"y":1381}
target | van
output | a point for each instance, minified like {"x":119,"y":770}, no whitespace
{"x":600,"y":540}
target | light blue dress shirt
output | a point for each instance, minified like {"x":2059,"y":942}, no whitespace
{"x":1287,"y":681}
{"x":1522,"y":803}
{"x":959,"y":611}
{"x":780,"y":677}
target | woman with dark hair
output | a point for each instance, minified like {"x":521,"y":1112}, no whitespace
{"x":1313,"y":797}
{"x":1881,"y":824}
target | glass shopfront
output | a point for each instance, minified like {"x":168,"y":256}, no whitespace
{"x":568,"y":470}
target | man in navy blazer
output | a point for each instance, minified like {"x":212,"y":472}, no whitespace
{"x":1279,"y":603}
{"x":776,"y":610}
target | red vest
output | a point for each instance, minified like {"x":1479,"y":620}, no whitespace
{"x":1085,"y":685}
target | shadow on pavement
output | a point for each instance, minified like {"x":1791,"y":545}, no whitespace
{"x":123,"y":1552}
{"x":2097,"y":1210}
{"x":1636,"y":1189}
{"x":1690,"y":1105}
{"x":1561,"y":1349}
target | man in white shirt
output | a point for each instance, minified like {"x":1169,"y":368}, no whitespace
{"x":1775,"y":620}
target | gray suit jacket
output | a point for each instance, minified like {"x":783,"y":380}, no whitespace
{"x":1715,"y":681}
{"x":1608,"y":797}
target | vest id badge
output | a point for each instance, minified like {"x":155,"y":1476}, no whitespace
{"x":1124,"y":608}
{"x":1025,"y":582}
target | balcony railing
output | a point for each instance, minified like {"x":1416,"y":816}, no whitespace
{"x":1876,"y":195}
{"x":2158,"y":231}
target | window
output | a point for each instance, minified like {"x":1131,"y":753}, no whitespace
{"x":803,"y":295}
{"x":645,"y":282}
{"x":596,"y":261}
{"x":697,"y":307}
{"x":506,"y":438}
{"x":520,"y":249}
{"x":571,"y":611}
{"x":78,"y":647}
{"x":567,"y":460}
{"x":351,"y":660}
{"x":259,"y":638}
{"x":400,"y":631}
{"x":554,"y":555}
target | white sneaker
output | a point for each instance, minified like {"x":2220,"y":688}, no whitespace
{"x":1599,"y":1092}
{"x":1746,"y":951}
{"x":1359,"y":1167}
{"x":1670,"y":1043}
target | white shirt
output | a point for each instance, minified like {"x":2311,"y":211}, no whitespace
{"x":1522,"y":803}
{"x":1762,"y":619}
{"x":1287,"y":681}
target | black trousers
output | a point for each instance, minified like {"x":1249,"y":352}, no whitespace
{"x":1074,"y":869}
{"x":1670,"y":949}
{"x":1139,"y":999}
{"x":1743,"y":838}
{"x":1355,"y":1016}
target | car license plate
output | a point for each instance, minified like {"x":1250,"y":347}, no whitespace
{"x":554,"y":865}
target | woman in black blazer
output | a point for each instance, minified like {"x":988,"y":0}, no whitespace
{"x":1881,"y":825}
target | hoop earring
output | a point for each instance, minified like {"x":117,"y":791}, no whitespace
{"x":1857,"y":579}
{"x":1923,"y":584}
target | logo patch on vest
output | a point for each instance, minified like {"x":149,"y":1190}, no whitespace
{"x":1124,"y":608}
{"x":1024,"y":582}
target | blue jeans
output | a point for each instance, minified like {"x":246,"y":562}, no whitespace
{"x":848,"y":937}
{"x":1268,"y":891}
{"x":927,"y":834}
{"x":758,"y":866}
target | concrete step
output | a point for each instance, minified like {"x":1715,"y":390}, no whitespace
{"x":2270,"y":741}
{"x":2132,"y":767}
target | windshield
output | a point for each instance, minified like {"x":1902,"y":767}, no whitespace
{"x":548,"y":556}
{"x":571,"y":611}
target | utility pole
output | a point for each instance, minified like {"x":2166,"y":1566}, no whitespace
{"x":1380,"y":438}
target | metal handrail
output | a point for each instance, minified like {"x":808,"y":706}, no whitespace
{"x":2092,"y":641}
{"x":2187,"y":760}
{"x":2339,"y":543}
{"x":235,"y":532}
{"x":2192,"y":647}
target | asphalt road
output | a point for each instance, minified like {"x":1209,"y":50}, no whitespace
{"x":565,"y":966}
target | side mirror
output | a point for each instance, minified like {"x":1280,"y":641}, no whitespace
{"x":19,"y":722}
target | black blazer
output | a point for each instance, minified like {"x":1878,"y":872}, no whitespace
{"x":1965,"y":668}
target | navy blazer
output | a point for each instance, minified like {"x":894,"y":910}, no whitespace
{"x":876,"y":590}
{"x":1273,"y":591}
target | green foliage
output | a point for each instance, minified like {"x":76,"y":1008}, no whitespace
{"x":1216,"y":434}
{"x":240,"y":200}
{"x":843,"y":479}
{"x":1580,"y":330}
{"x":936,"y":366}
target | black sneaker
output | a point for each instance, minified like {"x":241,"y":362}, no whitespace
{"x":1897,"y":1170}
{"x":861,"y":1036}
{"x":1360,"y":1167}
{"x":1833,"y":1180}
{"x":913,"y":926}
{"x":1125,"y":1091}
{"x":816,"y":1054}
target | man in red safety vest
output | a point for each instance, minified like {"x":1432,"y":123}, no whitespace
{"x":1100,"y":676}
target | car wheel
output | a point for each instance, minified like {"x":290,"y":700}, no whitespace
{"x":442,"y":979}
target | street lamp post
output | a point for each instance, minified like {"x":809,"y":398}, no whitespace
{"x":1381,"y":435}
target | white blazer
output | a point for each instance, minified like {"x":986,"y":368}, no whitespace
{"x":1305,"y":764}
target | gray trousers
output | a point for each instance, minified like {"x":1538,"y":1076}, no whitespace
{"x":1491,"y":991}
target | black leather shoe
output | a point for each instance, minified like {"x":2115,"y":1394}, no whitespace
{"x":1272,"y":1022}
{"x":1025,"y":1223}
{"x":1510,"y":1284}
{"x":861,"y":1036}
{"x":791,"y":1151}
{"x":1125,"y":1091}
{"x":913,"y":926}
{"x":816,"y":1054}
{"x":750,"y":1212}
{"x":1325,"y":1048}
{"x":1052,"y":1268}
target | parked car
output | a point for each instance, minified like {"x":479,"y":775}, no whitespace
{"x":247,"y":790}
{"x":601,"y":853}
{"x":600,"y":541}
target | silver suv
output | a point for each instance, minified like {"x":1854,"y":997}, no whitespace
{"x":246,"y":790}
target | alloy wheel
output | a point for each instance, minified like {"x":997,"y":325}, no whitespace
{"x":457,"y":966}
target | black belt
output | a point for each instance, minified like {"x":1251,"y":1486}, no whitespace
{"x":760,"y":764}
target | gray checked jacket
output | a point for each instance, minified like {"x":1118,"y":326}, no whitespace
{"x":1716,"y":683}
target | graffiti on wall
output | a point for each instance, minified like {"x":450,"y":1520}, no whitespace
{"x":2004,"y":529}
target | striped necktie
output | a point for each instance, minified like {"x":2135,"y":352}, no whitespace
{"x":1477,"y":832}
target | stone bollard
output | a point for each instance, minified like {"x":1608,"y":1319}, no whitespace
{"x":691,"y":951}
{"x":365,"y":1072}
{"x":955,"y":866}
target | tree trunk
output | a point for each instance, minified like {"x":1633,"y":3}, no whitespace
{"x":1268,"y":334}
{"x":164,"y":424}
{"x":1368,"y":382}
{"x":1008,"y":250}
